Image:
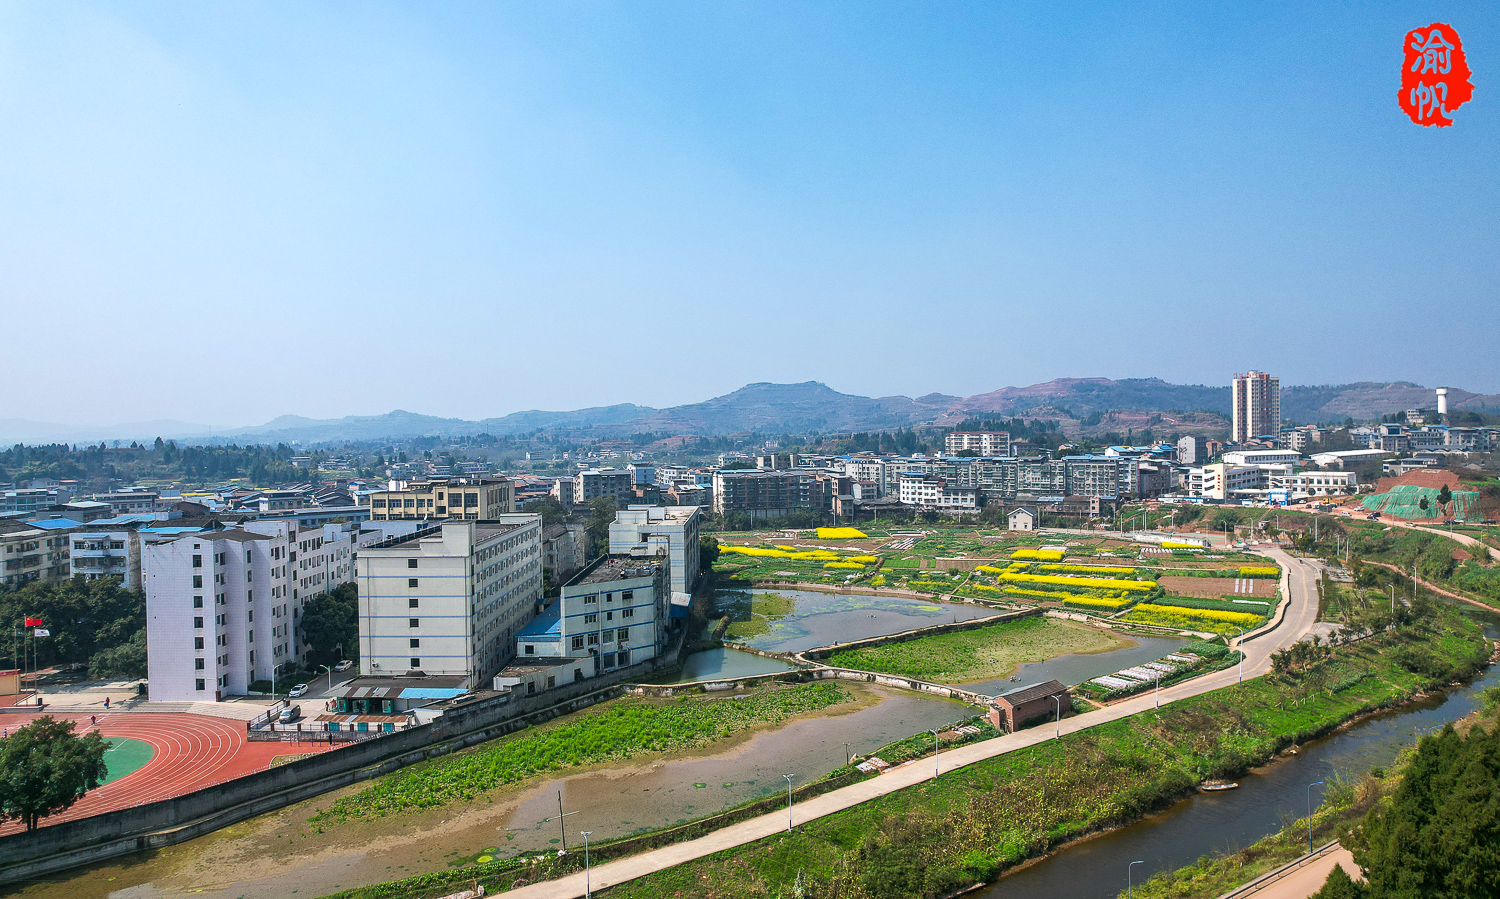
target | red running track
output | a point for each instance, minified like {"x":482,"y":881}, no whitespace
{"x":192,"y":752}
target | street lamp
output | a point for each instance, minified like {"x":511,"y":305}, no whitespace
{"x":330,"y":676}
{"x":588,"y":892}
{"x":847,"y":756}
{"x":1130,"y":878}
{"x":934,"y":753}
{"x":1309,"y":814}
{"x":1158,"y":689}
{"x":788,"y":802}
{"x":1058,"y":699}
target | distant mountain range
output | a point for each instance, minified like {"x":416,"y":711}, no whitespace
{"x":1083,"y":405}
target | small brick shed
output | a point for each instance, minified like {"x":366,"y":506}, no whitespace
{"x":1019,"y":706}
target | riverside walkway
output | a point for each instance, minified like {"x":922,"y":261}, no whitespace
{"x":1300,"y":614}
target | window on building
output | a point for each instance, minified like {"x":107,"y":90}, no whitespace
{"x":412,"y":602}
{"x":622,"y":634}
{"x":199,"y":682}
{"x":198,"y":664}
{"x":197,"y":642}
{"x":627,"y":596}
{"x":411,"y":563}
{"x":551,"y":681}
{"x":530,"y":649}
{"x":415,"y":663}
{"x":197,"y":560}
{"x":411,"y":582}
{"x":593,"y":639}
{"x":413,"y":622}
{"x":197,"y":602}
{"x":197,"y":582}
{"x":416,"y":643}
{"x":628,"y":612}
{"x":578,"y":642}
{"x":592,"y":618}
{"x":198,"y":622}
{"x":591,"y":600}
{"x":624,"y":657}
{"x":606,"y":636}
{"x":609,"y":660}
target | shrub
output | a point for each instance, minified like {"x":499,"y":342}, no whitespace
{"x":1259,"y":571}
{"x":840,"y":533}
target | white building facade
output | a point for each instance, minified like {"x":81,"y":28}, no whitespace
{"x":449,"y":599}
{"x":670,"y":531}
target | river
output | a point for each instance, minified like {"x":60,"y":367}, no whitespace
{"x":1226,"y":822}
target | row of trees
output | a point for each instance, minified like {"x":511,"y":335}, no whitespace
{"x":97,"y":622}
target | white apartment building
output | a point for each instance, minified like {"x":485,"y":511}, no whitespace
{"x":1222,"y":480}
{"x":1190,"y":451}
{"x":30,"y":553}
{"x":1257,"y":406}
{"x":670,"y":531}
{"x":472,"y":499}
{"x":599,"y":483}
{"x":872,"y":471}
{"x":985,"y":443}
{"x":926,"y":491}
{"x":223,"y":608}
{"x":449,"y":599}
{"x":613,"y":614}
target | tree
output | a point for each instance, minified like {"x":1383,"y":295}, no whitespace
{"x":330,"y":624}
{"x":601,"y":516}
{"x":1340,"y":885}
{"x":1439,"y":835}
{"x":45,"y":768}
{"x":549,"y":508}
{"x":1445,"y":496}
{"x":708,"y":552}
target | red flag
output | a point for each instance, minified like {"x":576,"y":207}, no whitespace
{"x":33,"y":622}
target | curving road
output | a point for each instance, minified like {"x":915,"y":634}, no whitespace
{"x":1298,"y":617}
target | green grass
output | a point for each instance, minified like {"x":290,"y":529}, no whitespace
{"x":976,"y":655}
{"x":1258,"y":607}
{"x":619,"y":730}
{"x":126,"y":756}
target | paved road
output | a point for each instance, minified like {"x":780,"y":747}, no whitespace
{"x":1300,"y":616}
{"x":1465,"y":539}
{"x":1307,"y":880}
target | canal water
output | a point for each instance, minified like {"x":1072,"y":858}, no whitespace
{"x":819,"y":619}
{"x":1226,"y":822}
{"x":1075,"y":668}
{"x":722,"y":663}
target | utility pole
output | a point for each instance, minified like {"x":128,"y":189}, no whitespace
{"x":561,"y":823}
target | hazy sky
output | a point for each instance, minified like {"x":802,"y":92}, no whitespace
{"x":221,"y":212}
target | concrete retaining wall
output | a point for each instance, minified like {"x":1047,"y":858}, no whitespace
{"x":823,"y":652}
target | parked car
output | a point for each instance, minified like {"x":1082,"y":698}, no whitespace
{"x":298,"y":690}
{"x":1450,"y":521}
{"x":345,"y":665}
{"x":290,"y":713}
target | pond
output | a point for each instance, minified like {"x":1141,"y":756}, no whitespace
{"x":724,"y":663}
{"x":804,"y":619}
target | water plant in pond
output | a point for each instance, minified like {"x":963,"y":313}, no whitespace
{"x":625,"y":728}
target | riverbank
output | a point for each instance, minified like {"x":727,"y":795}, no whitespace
{"x":974,"y":822}
{"x":1344,"y":804}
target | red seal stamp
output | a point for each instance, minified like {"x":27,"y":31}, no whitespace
{"x":1434,"y":75}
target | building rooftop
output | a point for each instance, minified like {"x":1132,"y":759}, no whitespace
{"x":547,"y":623}
{"x":1035,"y":691}
{"x":532,"y":664}
{"x":429,"y":687}
{"x":483,"y":530}
{"x":614,"y":568}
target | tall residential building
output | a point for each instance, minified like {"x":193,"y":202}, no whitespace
{"x":985,"y":443}
{"x":471,"y":499}
{"x":1257,"y":406}
{"x":617,"y":484}
{"x":223,"y":608}
{"x":449,"y":599}
{"x":1190,"y":450}
{"x":670,"y":531}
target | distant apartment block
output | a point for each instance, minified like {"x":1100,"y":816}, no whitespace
{"x":100,"y":551}
{"x":766,"y":494}
{"x":617,"y":484}
{"x":130,"y":502}
{"x":564,"y":550}
{"x":985,"y":443}
{"x":449,"y":599}
{"x":1318,"y":483}
{"x":667,"y":531}
{"x":469,"y":499}
{"x":1257,"y":406}
{"x":30,"y":553}
{"x":925,"y":491}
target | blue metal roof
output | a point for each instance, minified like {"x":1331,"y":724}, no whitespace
{"x":430,"y":692}
{"x":546,"y":624}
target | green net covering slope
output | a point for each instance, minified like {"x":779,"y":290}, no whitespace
{"x":1405,"y":501}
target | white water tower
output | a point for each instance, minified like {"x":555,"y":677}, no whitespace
{"x":1442,"y":394}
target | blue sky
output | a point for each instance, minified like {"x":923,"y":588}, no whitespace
{"x":225,"y":212}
